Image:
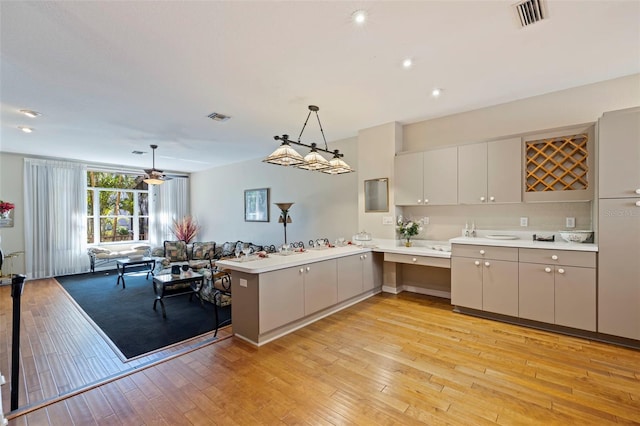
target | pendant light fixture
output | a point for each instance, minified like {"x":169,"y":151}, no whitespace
{"x":285,"y":155}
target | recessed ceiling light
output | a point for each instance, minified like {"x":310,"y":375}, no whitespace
{"x":25,"y":129}
{"x":407,"y":63}
{"x":359,"y":17}
{"x":436,"y":92}
{"x":30,"y":113}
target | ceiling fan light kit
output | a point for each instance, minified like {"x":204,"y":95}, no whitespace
{"x":285,"y":155}
{"x":153,"y":175}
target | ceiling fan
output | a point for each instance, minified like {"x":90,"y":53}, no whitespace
{"x":154,"y":176}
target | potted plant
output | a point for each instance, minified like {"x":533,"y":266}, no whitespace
{"x":185,"y":229}
{"x":408,"y":229}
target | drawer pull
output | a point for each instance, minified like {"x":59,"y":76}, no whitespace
{"x":554,"y":257}
{"x":547,"y":269}
{"x":487,"y":264}
{"x":561,"y":271}
{"x":477,"y":263}
{"x":481,"y":251}
{"x":414,"y":259}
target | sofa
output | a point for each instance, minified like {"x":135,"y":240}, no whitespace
{"x":105,"y":254}
{"x":201,"y":257}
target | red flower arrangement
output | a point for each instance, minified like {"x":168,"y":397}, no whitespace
{"x":185,"y":229}
{"x":6,"y":206}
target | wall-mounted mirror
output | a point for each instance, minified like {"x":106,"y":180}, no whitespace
{"x":376,"y":195}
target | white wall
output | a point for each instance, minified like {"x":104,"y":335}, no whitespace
{"x":12,"y":190}
{"x":325,"y":205}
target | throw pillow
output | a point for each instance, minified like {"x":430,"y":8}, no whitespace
{"x":203,"y":251}
{"x":176,"y":251}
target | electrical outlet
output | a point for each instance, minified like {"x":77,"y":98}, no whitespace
{"x":524,"y":221}
{"x":425,"y":220}
{"x":570,"y":222}
{"x":387,"y":220}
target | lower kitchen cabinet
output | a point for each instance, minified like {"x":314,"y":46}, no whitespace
{"x":281,"y":298}
{"x":561,"y":295}
{"x":356,"y":274}
{"x":485,"y":278}
{"x":320,"y":285}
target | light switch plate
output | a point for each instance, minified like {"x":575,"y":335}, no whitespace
{"x":243,"y":282}
{"x":387,"y":220}
{"x":570,"y":222}
{"x":524,"y":221}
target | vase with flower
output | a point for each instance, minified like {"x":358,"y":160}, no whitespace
{"x":5,"y":208}
{"x":408,"y":229}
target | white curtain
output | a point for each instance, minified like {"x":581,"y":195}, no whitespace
{"x":169,"y":202}
{"x":55,"y":198}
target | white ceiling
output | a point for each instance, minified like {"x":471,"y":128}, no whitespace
{"x":115,"y":76}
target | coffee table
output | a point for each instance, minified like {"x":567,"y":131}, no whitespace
{"x":168,"y":285}
{"x":121,"y":266}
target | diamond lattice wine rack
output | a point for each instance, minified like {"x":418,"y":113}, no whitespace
{"x":557,"y":164}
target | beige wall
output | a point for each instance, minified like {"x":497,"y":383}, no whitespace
{"x":578,"y":105}
{"x":376,"y":148}
{"x":11,"y":189}
{"x":325,"y":206}
{"x":584,"y":104}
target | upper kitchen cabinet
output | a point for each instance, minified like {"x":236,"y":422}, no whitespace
{"x":490,"y":172}
{"x":559,"y":164}
{"x":427,"y":178}
{"x":619,"y":154}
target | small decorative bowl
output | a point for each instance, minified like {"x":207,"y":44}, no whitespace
{"x":577,"y":236}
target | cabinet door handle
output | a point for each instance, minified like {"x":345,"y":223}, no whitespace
{"x":487,"y":264}
{"x":419,"y":201}
{"x":414,"y":259}
{"x":638,"y":191}
{"x":426,"y":200}
{"x":477,"y":263}
{"x":637,"y":203}
{"x":482,"y":199}
{"x":308,"y":268}
{"x":547,"y":269}
{"x":364,"y":256}
{"x":554,"y":257}
{"x":301,"y":270}
{"x":481,"y":251}
{"x":561,"y":271}
{"x":492,"y":198}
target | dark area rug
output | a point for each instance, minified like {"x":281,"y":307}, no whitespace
{"x":127,"y":317}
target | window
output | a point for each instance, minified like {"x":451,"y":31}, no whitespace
{"x":117,"y":207}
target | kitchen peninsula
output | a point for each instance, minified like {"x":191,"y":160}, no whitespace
{"x":275,"y":295}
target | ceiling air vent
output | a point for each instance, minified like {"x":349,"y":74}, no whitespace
{"x":138,"y":152}
{"x":530,"y":12}
{"x":218,"y":117}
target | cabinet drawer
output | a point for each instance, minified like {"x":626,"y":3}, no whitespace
{"x":485,"y":252}
{"x":558,"y":257}
{"x":438,"y":262}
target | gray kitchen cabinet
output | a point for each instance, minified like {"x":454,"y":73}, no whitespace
{"x":440,"y":177}
{"x":490,"y":172}
{"x":485,"y":278}
{"x":558,"y":287}
{"x":619,"y":154}
{"x":320,"y":285}
{"x":619,"y":223}
{"x":619,"y":267}
{"x":281,"y":298}
{"x":356,"y":274}
{"x":408,"y":182}
{"x":427,"y":178}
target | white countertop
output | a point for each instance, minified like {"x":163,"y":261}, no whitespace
{"x":525,"y":243}
{"x":419,"y":248}
{"x":277,"y":261}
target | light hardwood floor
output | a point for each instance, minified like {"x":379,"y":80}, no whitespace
{"x":392,"y":359}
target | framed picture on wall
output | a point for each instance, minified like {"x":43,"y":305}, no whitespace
{"x":256,"y":205}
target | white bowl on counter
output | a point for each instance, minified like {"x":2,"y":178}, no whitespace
{"x":577,"y":236}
